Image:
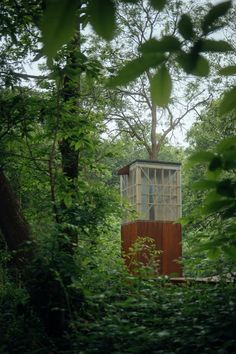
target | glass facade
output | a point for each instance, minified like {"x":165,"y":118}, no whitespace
{"x":153,"y":189}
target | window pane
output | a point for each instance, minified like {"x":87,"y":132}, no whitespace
{"x":166,"y":177}
{"x":173,"y":177}
{"x":159,"y":176}
{"x":144,"y":175}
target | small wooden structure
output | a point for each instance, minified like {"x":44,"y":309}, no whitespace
{"x":153,"y":189}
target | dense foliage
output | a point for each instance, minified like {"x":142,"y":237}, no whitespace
{"x":126,"y":314}
{"x":64,"y":287}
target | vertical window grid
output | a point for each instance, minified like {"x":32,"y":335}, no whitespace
{"x":155,"y":192}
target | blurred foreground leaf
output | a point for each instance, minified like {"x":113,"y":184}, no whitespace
{"x":161,"y":86}
{"x":58,"y":25}
{"x":135,"y":68}
{"x":185,"y":27}
{"x":158,"y":4}
{"x":102,"y":17}
{"x":210,"y":45}
{"x":217,"y":11}
{"x":166,"y":44}
{"x":229,"y":101}
{"x":228,"y":70}
{"x":193,"y":63}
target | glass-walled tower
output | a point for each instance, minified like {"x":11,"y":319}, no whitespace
{"x":153,"y":189}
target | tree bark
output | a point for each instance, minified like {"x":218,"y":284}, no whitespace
{"x":13,"y":225}
{"x":70,"y":156}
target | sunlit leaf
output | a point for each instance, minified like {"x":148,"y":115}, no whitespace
{"x":135,"y":68}
{"x":58,"y":25}
{"x":185,"y":27}
{"x":161,"y":86}
{"x":158,"y":4}
{"x":213,"y":15}
{"x":229,"y":101}
{"x":210,"y":45}
{"x":166,"y":44}
{"x":228,"y":70}
{"x":68,"y":200}
{"x":213,"y":253}
{"x":184,"y":221}
{"x":162,"y":334}
{"x":102,"y":17}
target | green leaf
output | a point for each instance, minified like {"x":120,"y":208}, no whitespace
{"x":216,"y":163}
{"x":130,"y":1}
{"x":202,"y":67}
{"x":213,"y":253}
{"x":229,"y":101}
{"x":184,"y":221}
{"x":229,"y":160}
{"x":210,"y":45}
{"x":226,"y":144}
{"x":58,"y":25}
{"x":194,"y":64}
{"x":158,"y":4}
{"x":228,"y":70}
{"x":204,"y":184}
{"x":230,"y":251}
{"x":128,"y":73}
{"x":199,"y":157}
{"x":213,"y":15}
{"x":187,"y":62}
{"x":226,"y":188}
{"x":185,"y":27}
{"x":166,"y":44}
{"x":161,"y":86}
{"x":216,"y":206}
{"x":68,"y":200}
{"x":135,"y":68}
{"x":102,"y":17}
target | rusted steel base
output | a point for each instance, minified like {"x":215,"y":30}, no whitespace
{"x":167,"y":237}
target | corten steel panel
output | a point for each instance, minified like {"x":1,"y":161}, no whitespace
{"x":154,"y":230}
{"x":172,"y":250}
{"x":128,"y":237}
{"x":167,"y":238}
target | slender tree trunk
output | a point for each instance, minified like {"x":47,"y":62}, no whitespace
{"x":153,"y":153}
{"x":70,"y":156}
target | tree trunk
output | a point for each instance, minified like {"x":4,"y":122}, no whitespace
{"x":153,"y":153}
{"x":70,"y":156}
{"x":13,"y":225}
